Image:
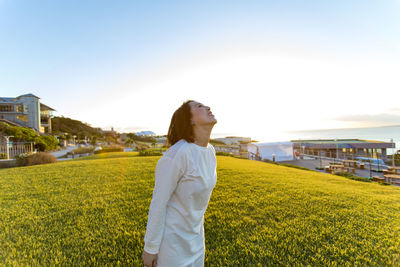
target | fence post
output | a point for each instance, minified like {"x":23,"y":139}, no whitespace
{"x":8,"y":145}
{"x":8,"y":150}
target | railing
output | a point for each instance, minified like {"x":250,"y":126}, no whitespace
{"x":231,"y":150}
{"x":366,"y":163}
{"x":253,"y":156}
{"x":10,"y":150}
{"x":227,"y":149}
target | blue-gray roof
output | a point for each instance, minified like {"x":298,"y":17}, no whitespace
{"x":7,"y":100}
{"x":15,"y":99}
{"x":45,"y":107}
{"x":28,"y":95}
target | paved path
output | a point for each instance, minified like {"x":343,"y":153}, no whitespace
{"x":61,"y":153}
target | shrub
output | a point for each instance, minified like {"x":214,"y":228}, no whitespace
{"x":19,"y":133}
{"x":40,"y":146}
{"x":353,"y":177}
{"x":149,"y":153}
{"x":220,"y":153}
{"x":295,"y":166}
{"x":240,"y":157}
{"x":3,"y":155}
{"x":42,"y":142}
{"x":46,"y":142}
{"x":134,"y":137}
{"x":110,"y":149}
{"x":81,"y":150}
{"x":268,"y":160}
{"x":22,"y":159}
{"x":35,"y":159}
{"x":23,"y":134}
{"x":217,"y":142}
{"x":140,"y":147}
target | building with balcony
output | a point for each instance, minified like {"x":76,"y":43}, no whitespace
{"x":27,"y":111}
{"x":343,"y":148}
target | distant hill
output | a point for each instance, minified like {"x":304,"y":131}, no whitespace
{"x":67,"y":125}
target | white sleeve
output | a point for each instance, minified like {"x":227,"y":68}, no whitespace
{"x":167,"y":175}
{"x":213,"y":148}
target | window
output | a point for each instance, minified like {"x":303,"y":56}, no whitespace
{"x":20,"y":108}
{"x":6,"y":108}
{"x":23,"y":118}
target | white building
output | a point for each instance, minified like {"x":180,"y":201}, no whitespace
{"x":27,"y":111}
{"x":281,"y":150}
{"x":233,"y":140}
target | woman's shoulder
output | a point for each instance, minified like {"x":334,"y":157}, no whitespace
{"x":212,"y":147}
{"x":178,"y":149}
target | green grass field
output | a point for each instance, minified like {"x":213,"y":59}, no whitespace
{"x":94,"y":212}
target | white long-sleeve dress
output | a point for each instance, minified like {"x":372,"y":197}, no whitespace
{"x":184,"y":179}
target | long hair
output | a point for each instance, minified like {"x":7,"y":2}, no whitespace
{"x":180,"y":126}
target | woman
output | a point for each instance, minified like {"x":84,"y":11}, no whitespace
{"x":184,"y":179}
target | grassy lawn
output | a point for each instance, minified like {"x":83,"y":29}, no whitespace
{"x":109,"y":155}
{"x":94,"y":211}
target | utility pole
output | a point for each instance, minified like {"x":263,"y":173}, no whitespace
{"x":370,"y":171}
{"x":300,"y":148}
{"x":336,"y":150}
{"x":391,"y":140}
{"x":377,"y":159}
{"x":320,"y":160}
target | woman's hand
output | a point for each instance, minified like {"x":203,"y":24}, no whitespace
{"x":149,"y":260}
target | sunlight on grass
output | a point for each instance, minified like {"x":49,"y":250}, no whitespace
{"x":94,"y":211}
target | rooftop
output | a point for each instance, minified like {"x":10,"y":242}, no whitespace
{"x":31,"y":95}
{"x":7,"y":100}
{"x":45,"y":107}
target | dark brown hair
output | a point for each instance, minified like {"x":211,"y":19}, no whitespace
{"x":180,"y":126}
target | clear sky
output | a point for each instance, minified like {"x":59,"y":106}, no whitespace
{"x":263,"y":67}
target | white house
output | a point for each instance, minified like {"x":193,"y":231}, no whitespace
{"x":27,"y":111}
{"x":282,"y":150}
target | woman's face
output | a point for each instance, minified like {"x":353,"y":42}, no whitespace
{"x":201,"y":114}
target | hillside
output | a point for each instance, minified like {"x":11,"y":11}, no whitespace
{"x":94,"y":212}
{"x":74,"y":127}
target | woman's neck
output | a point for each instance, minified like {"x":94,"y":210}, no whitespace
{"x":202,"y":136}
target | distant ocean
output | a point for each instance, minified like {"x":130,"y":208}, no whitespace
{"x":384,"y":133}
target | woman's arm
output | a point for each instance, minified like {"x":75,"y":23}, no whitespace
{"x":167,"y":174}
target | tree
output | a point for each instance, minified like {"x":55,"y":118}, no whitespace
{"x":93,"y":142}
{"x":153,"y":143}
